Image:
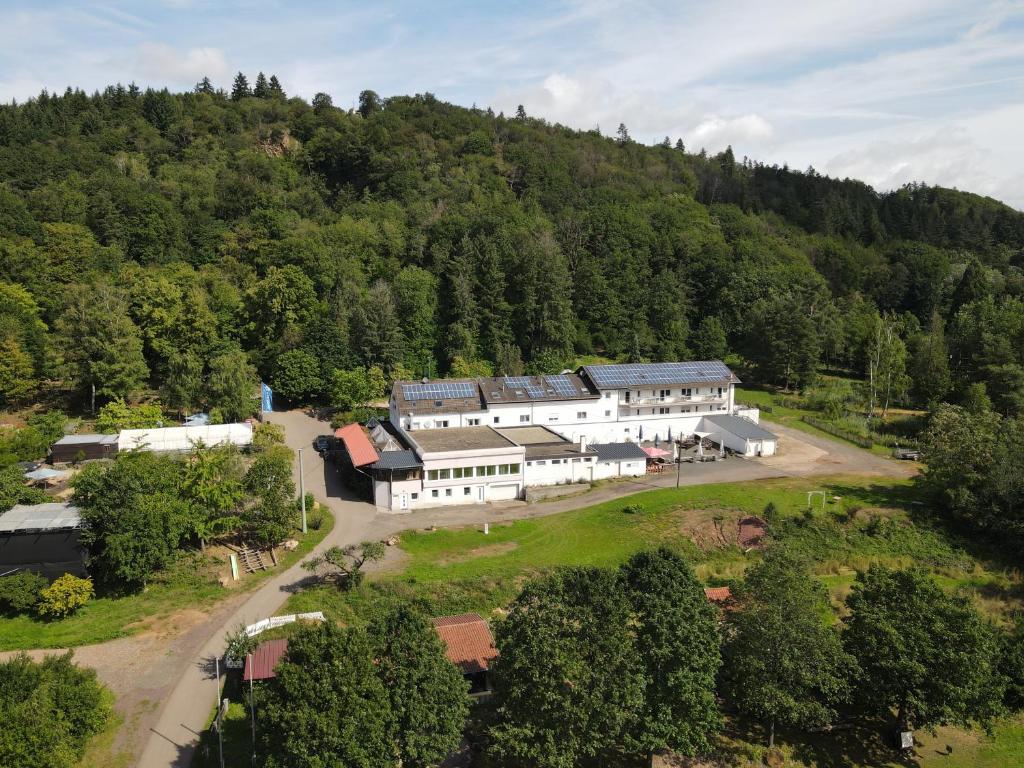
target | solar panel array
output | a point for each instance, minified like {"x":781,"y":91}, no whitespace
{"x":518,"y":382}
{"x":640,"y":374}
{"x":439,"y":390}
{"x":562,"y":385}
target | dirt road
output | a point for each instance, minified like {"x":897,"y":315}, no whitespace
{"x":187,"y":699}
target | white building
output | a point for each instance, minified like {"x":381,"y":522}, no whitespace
{"x":598,"y":403}
{"x":168,"y":439}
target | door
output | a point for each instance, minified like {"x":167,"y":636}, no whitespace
{"x":403,"y":501}
{"x":480,"y":493}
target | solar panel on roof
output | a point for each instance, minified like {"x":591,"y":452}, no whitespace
{"x":439,"y":390}
{"x":517,"y":381}
{"x":658,"y":373}
{"x":562,"y":385}
{"x":535,"y":390}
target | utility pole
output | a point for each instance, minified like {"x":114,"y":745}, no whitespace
{"x":220,"y":714}
{"x":302,"y":492}
{"x":679,"y":464}
{"x":252,"y":710}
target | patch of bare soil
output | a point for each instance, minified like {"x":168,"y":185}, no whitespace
{"x":485,"y":551}
{"x":713,"y":529}
{"x":752,"y":533}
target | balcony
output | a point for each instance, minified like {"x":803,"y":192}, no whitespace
{"x":647,"y":402}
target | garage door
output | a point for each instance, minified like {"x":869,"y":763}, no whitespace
{"x":503,"y":492}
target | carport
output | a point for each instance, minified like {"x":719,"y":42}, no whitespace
{"x":740,"y":434}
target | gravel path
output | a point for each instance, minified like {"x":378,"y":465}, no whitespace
{"x":164,"y":680}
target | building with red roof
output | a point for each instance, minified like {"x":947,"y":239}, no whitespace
{"x":719,"y":595}
{"x":357,"y":444}
{"x":260,"y":664}
{"x":469,"y":645}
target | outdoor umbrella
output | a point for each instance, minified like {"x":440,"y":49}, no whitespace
{"x":640,"y":437}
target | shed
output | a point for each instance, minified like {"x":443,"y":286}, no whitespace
{"x":619,"y":459}
{"x":261,"y":663}
{"x":740,"y":434}
{"x":469,"y":645}
{"x":183,"y":439}
{"x":79,"y":447}
{"x":42,"y":538}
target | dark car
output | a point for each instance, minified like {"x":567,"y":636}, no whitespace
{"x":322,"y":444}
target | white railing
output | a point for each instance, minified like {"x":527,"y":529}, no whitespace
{"x":642,"y":402}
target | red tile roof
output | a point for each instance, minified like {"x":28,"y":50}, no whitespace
{"x":718,"y":594}
{"x":261,"y":663}
{"x":469,"y":643}
{"x":358,"y":445}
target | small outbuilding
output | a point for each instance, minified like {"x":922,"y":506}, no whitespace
{"x":619,"y":460}
{"x":42,"y":538}
{"x":469,"y":645}
{"x":71,"y":448}
{"x":740,"y":434}
{"x":262,"y":663}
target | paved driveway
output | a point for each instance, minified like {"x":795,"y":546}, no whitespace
{"x":174,"y":729}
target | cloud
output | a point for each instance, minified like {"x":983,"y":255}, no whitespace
{"x":716,"y":131}
{"x":162,"y":64}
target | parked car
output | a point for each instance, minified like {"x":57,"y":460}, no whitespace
{"x":323,"y":443}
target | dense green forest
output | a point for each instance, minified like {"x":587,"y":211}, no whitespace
{"x":191,"y":242}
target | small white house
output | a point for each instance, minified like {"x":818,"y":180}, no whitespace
{"x":740,"y":434}
{"x":619,"y":460}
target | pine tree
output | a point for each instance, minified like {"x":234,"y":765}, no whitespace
{"x":276,"y":91}
{"x":204,"y":86}
{"x":520,"y":113}
{"x":666,"y":142}
{"x":622,"y":134}
{"x":262,"y":89}
{"x":680,"y":146}
{"x":240,"y":88}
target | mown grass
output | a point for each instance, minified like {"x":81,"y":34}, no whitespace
{"x":192,"y":582}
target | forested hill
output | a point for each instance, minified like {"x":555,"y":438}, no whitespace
{"x":158,"y":240}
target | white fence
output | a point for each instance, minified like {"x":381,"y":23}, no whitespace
{"x":274,"y":621}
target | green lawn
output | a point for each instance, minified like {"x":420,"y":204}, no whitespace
{"x":191,"y":583}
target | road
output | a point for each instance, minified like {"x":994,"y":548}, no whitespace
{"x":174,"y":728}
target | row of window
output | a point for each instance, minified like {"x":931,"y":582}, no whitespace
{"x":543,"y":462}
{"x":459,"y":473}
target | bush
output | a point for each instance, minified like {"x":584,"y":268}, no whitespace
{"x":65,"y":596}
{"x":20,"y":592}
{"x":267,"y":435}
{"x":634,"y":509}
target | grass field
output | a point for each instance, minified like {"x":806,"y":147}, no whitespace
{"x":455,"y":570}
{"x":191,"y":582}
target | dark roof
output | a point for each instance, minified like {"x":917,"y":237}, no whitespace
{"x":437,"y":396}
{"x":526,"y":389}
{"x":618,"y":451}
{"x":358,"y":445}
{"x":739,"y":426}
{"x":261,"y":664}
{"x":625,"y":375}
{"x":397,"y":460}
{"x":91,"y":439}
{"x":468,"y":641}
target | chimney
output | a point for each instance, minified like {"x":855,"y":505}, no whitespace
{"x":583,"y":443}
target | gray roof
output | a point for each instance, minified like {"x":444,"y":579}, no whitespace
{"x":87,"y":440}
{"x":739,"y":426}
{"x":620,"y":376}
{"x":53,"y":516}
{"x":397,"y":460}
{"x":618,"y":451}
{"x":524,"y":389}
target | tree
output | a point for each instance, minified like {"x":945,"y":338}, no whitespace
{"x":64,"y":596}
{"x":521,"y":113}
{"x":886,"y":366}
{"x":622,"y":134}
{"x":19,"y":592}
{"x":427,"y":693}
{"x":231,"y":388}
{"x":369,"y":102}
{"x":18,"y":381}
{"x":929,"y":364}
{"x":326,"y":704}
{"x":268,"y":479}
{"x":709,"y":341}
{"x":14,"y":491}
{"x":276,"y":91}
{"x":262,"y":89}
{"x":349,"y":389}
{"x":204,"y":86}
{"x":344,"y":565}
{"x":376,"y":331}
{"x":213,"y":486}
{"x":567,"y":683}
{"x":240,"y":88}
{"x":297,"y":376}
{"x":678,"y":643}
{"x":117,"y":415}
{"x":925,"y":654}
{"x":680,"y":146}
{"x":322,"y":102}
{"x":781,"y":663}
{"x":66,"y":699}
{"x":784,"y":341}
{"x":183,"y":388}
{"x":1011,"y":665}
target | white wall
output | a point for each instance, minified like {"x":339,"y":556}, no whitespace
{"x":606,"y":469}
{"x":567,"y":470}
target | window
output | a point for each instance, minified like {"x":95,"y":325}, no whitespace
{"x":444,"y":474}
{"x":473,"y":422}
{"x":529,"y":463}
{"x":503,"y":469}
{"x":541,"y":463}
{"x":666,"y":392}
{"x":556,"y":461}
{"x":687,"y":392}
{"x":588,"y":459}
{"x":491,"y":470}
{"x":438,"y":404}
{"x":626,"y":430}
{"x":414,"y":496}
{"x":513,"y":469}
{"x":553,"y":417}
{"x":607,"y":395}
{"x":465,"y":491}
{"x":434,"y":493}
{"x":443,"y":423}
{"x":524,"y":419}
{"x":497,"y":419}
{"x":581,"y":414}
{"x":607,"y":414}
{"x":447,"y":491}
{"x":457,"y":473}
{"x":432,"y":474}
{"x":664,"y":410}
{"x":575,"y":461}
{"x":481,"y":471}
